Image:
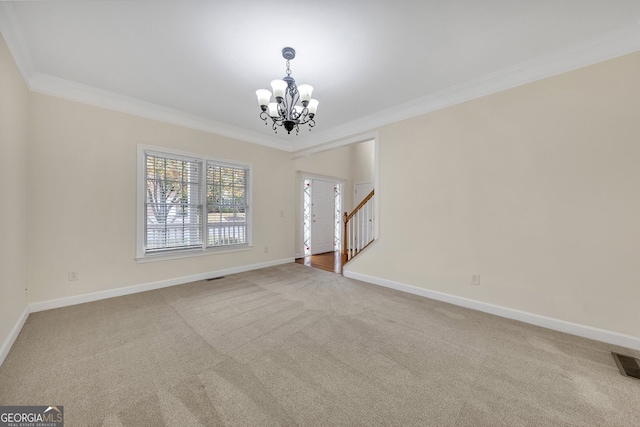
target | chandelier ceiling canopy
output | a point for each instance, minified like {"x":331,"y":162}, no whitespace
{"x":285,"y":110}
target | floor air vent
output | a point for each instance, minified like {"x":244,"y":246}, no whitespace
{"x":629,"y":366}
{"x":215,"y":278}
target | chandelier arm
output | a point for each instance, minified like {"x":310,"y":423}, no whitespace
{"x":292,"y":89}
{"x":289,"y":107}
{"x":304,"y":116}
{"x":295,"y":97}
{"x":277,"y":121}
{"x":282,"y":107}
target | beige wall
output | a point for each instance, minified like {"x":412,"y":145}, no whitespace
{"x":14,"y":104}
{"x":536,"y":189}
{"x":83,"y":199}
{"x":363,"y":163}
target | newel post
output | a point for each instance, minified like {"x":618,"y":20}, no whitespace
{"x":345,"y":256}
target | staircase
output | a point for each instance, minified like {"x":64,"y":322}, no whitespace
{"x":358,"y":229}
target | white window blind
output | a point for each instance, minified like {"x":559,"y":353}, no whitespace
{"x":226,"y":204}
{"x":173,"y":203}
{"x":192,"y":204}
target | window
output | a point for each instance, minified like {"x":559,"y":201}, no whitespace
{"x":190,"y":204}
{"x":226,"y":204}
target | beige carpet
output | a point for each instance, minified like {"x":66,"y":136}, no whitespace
{"x":292,"y":345}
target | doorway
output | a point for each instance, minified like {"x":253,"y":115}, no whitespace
{"x":331,"y":261}
{"x":322,"y":215}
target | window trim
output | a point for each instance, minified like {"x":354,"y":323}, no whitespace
{"x":141,"y":256}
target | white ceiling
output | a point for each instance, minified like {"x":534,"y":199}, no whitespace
{"x":198,"y":63}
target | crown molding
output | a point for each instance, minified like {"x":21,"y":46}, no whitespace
{"x":608,"y":46}
{"x":336,"y":143}
{"x":10,"y":29}
{"x":49,"y":85}
{"x":605,"y":47}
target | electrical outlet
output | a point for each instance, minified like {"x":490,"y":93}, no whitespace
{"x":266,"y":249}
{"x":475,"y":279}
{"x":73,"y":275}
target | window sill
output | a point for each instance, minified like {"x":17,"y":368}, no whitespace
{"x":191,"y":254}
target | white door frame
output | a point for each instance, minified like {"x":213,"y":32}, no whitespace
{"x":311,"y":176}
{"x":323,"y":229}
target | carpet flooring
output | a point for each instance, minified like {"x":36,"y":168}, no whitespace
{"x":292,"y":345}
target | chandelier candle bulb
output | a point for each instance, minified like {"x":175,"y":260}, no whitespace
{"x":279,"y":87}
{"x":273,"y":110}
{"x":305,"y":93}
{"x":313,"y":107}
{"x":286,"y":111}
{"x":264,"y":96}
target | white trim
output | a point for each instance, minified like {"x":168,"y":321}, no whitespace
{"x":602,"y":335}
{"x":376,"y":187}
{"x":35,"y":307}
{"x":608,"y":46}
{"x":584,"y":331}
{"x":128,"y":290}
{"x":614,"y":44}
{"x":14,"y":38}
{"x":50,"y":85}
{"x":140,"y":200}
{"x":354,"y":139}
{"x":13,"y":335}
{"x":304,"y":175}
{"x":55,"y":86}
{"x":190,"y":156}
{"x":187,"y":253}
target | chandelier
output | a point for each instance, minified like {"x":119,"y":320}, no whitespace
{"x":286,"y":111}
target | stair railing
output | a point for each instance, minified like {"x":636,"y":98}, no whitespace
{"x":358,"y":229}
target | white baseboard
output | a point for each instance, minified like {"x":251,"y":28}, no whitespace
{"x":584,"y":331}
{"x":111,"y":293}
{"x":13,"y":335}
{"x":597,"y":334}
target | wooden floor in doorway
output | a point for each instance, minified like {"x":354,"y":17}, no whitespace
{"x":330,"y":261}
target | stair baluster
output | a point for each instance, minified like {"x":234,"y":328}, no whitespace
{"x":358,"y":229}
